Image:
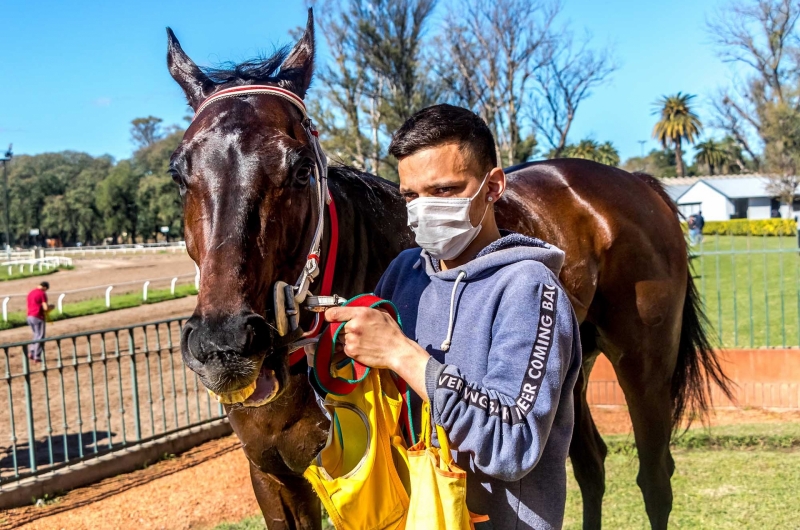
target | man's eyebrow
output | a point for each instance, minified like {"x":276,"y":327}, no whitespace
{"x":436,"y":185}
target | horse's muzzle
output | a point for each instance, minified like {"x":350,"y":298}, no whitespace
{"x":227,"y":353}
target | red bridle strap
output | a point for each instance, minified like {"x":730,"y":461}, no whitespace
{"x":327,"y":280}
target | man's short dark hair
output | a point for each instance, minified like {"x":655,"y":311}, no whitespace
{"x":46,"y":285}
{"x":445,"y":124}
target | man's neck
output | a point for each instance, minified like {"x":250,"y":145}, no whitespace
{"x":486,"y":236}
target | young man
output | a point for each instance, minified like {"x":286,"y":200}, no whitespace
{"x":37,"y":312}
{"x":490,"y":336}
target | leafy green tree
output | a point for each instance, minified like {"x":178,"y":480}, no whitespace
{"x":117,"y":203}
{"x":677,"y":123}
{"x":158,"y":200}
{"x":588,"y":149}
{"x":712,"y":154}
{"x":146,"y":131}
{"x":659,"y":163}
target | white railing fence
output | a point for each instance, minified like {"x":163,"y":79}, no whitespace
{"x":145,"y":283}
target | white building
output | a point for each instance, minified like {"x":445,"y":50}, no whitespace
{"x":723,"y":197}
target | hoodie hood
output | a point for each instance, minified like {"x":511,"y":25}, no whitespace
{"x":510,"y":248}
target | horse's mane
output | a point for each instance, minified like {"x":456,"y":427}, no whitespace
{"x":262,"y":69}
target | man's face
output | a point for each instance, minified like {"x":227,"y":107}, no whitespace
{"x":444,"y":171}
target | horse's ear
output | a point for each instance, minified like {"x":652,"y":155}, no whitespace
{"x":195,"y":84}
{"x":298,"y":68}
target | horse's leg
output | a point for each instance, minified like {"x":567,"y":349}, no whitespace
{"x":287,"y":502}
{"x":645,"y":376}
{"x":587,"y":451}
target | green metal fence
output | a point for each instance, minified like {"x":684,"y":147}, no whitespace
{"x":94,"y":393}
{"x":750,"y":286}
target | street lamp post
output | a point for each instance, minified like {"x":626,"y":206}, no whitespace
{"x":6,"y":159}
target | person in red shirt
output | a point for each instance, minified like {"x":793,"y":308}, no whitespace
{"x":37,"y":311}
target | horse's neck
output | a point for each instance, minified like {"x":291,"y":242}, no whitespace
{"x":372,"y":229}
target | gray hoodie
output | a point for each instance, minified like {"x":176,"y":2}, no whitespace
{"x":505,"y":355}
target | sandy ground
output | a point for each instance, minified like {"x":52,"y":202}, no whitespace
{"x":197,"y":489}
{"x":102,"y":272}
{"x":210,"y":485}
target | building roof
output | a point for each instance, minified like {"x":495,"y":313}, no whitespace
{"x":731,"y":186}
{"x":675,"y":192}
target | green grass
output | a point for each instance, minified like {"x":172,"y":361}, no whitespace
{"x":751,"y":297}
{"x":4,"y":277}
{"x":772,"y":436}
{"x":98,"y":305}
{"x":712,"y":489}
{"x":733,"y":476}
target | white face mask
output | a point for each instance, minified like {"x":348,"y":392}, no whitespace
{"x":442,"y":225}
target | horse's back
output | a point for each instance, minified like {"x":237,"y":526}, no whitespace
{"x":619,"y":230}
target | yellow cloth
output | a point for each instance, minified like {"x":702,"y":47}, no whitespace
{"x":438,"y":485}
{"x":359,"y":475}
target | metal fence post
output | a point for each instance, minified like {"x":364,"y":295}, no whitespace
{"x":144,"y":290}
{"x":172,"y":286}
{"x":29,"y":410}
{"x":60,"y":300}
{"x":5,"y":308}
{"x":108,"y":295}
{"x":137,"y":424}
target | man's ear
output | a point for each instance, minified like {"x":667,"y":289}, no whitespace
{"x":298,"y":68}
{"x":496,"y":184}
{"x":195,"y":84}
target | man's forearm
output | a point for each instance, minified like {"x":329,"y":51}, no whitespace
{"x":410,"y":363}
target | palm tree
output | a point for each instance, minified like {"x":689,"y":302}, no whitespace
{"x":711,"y":153}
{"x":677,"y":123}
{"x":590,"y":149}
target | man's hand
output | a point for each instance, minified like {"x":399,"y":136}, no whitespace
{"x":374,"y":339}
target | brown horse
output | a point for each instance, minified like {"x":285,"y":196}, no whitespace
{"x":244,"y":171}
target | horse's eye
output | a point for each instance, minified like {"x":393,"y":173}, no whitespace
{"x":178,"y":179}
{"x":302,"y":174}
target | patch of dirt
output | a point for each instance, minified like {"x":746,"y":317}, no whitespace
{"x":197,"y":489}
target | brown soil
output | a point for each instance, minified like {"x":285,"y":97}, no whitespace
{"x":102,"y":272}
{"x":186,"y":492}
{"x":189,"y":492}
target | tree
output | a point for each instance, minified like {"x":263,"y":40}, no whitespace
{"x":116,"y":201}
{"x":494,"y":49}
{"x":588,"y":149}
{"x":760,"y":37}
{"x":573,"y":69}
{"x":380,"y":76}
{"x":712,"y":154}
{"x":146,"y":131}
{"x":157,"y":198}
{"x":781,"y":132}
{"x":659,"y":163}
{"x":677,"y":123}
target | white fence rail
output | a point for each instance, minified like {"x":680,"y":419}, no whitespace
{"x":41,"y":264}
{"x":145,"y":283}
{"x":142,"y":248}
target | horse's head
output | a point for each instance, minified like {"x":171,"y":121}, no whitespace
{"x":244,"y":169}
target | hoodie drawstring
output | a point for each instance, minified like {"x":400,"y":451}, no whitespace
{"x":452,"y":320}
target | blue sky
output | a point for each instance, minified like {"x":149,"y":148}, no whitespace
{"x":75,"y":73}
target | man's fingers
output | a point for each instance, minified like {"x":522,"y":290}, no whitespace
{"x":343,"y":314}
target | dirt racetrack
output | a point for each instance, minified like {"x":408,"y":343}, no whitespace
{"x":95,"y":272}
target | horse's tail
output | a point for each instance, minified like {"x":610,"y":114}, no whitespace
{"x":697,"y":367}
